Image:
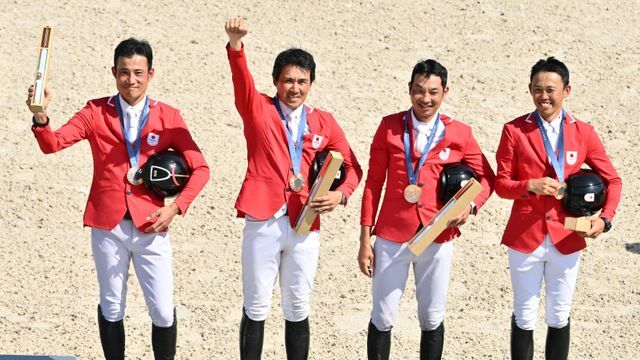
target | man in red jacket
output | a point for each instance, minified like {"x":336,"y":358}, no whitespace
{"x":128,"y":222}
{"x":409,"y":150}
{"x":537,"y":152}
{"x":283,"y":135}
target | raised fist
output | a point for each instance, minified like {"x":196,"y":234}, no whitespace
{"x":236,"y":29}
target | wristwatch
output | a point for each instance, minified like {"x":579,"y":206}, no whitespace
{"x":37,"y":124}
{"x":343,"y":201}
{"x":607,"y":224}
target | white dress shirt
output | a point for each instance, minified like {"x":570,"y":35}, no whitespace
{"x":132,"y":115}
{"x":553,"y":131}
{"x":421,"y":131}
{"x":292,"y":118}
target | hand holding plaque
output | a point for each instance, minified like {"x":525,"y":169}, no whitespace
{"x":38,"y":98}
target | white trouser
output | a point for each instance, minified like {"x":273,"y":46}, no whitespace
{"x":151,"y":255}
{"x":431,"y":271}
{"x":270,"y":248}
{"x":559,"y":273}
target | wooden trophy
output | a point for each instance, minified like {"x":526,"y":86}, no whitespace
{"x":37,"y":101}
{"x":423,"y":238}
{"x":580,"y":224}
{"x":320,"y":188}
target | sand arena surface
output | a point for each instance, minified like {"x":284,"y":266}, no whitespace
{"x":365,"y":52}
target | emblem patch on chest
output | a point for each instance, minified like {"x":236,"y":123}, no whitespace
{"x":444,"y":154}
{"x":572,"y":157}
{"x":316,"y":141}
{"x":153,"y":139}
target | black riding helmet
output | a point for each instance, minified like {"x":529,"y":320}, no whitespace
{"x":452,"y":178}
{"x":165,"y":173}
{"x":585,"y":194}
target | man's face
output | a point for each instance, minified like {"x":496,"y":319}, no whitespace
{"x":293,"y":85}
{"x":426,"y":96}
{"x":548,"y":91}
{"x":132,"y":77}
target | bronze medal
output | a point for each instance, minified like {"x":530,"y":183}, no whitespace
{"x":133,"y":176}
{"x":412,"y":193}
{"x":561,"y":191}
{"x":297,"y":182}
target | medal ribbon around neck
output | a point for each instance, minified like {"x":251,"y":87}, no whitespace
{"x":413,"y":175}
{"x":556,"y":161}
{"x":133,"y":149}
{"x":295,"y":150}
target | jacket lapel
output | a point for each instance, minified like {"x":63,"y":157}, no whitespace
{"x":535,"y":139}
{"x":571,"y":144}
{"x":112,"y":118}
{"x":153,"y":122}
{"x":446,"y":140}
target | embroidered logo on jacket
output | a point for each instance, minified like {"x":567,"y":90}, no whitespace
{"x":444,"y":154}
{"x":317,"y":141}
{"x":153,"y":139}
{"x":572,"y":157}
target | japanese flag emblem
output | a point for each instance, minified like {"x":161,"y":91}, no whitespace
{"x":316,"y":141}
{"x":572,"y":157}
{"x":444,"y":154}
{"x":589,"y":197}
{"x":153,"y":139}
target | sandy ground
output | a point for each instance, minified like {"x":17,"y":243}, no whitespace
{"x":365,"y":52}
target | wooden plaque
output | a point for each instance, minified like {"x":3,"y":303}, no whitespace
{"x":37,"y":101}
{"x":581,"y":224}
{"x":423,"y":238}
{"x":320,"y":188}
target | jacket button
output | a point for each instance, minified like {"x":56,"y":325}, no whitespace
{"x":421,"y":184}
{"x":128,"y":192}
{"x":420,"y":205}
{"x":548,"y":217}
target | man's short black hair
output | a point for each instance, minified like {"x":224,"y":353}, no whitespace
{"x":551,"y":64}
{"x":296,"y":57}
{"x":427,"y":68}
{"x":132,"y":46}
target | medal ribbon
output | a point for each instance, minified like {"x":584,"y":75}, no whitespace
{"x":133,"y":149}
{"x":556,"y":161}
{"x":413,"y":175}
{"x":295,"y":150}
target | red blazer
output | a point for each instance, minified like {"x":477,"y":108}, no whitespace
{"x":111,"y":195}
{"x":399,"y":219}
{"x":265,"y":187}
{"x":521,"y":156}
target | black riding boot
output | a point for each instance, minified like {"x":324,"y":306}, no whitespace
{"x":557,"y":347}
{"x":251,"y":336}
{"x":432,"y":343}
{"x":296,"y":339}
{"x":521,"y":342}
{"x":164,"y":340}
{"x":378,"y":343}
{"x":112,"y":337}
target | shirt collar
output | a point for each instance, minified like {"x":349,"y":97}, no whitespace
{"x":137,"y":107}
{"x":290,"y":113}
{"x":423,"y":127}
{"x":554,"y":124}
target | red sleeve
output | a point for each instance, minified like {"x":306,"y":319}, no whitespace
{"x":183,"y":143}
{"x":599,"y":161}
{"x":505,"y":186}
{"x":376,"y":176}
{"x":244,"y":89}
{"x":76,"y":129}
{"x":474,"y":157}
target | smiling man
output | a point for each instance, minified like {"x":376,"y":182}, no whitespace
{"x":283,"y":136}
{"x":410,"y":151}
{"x":128,"y":222}
{"x":537,"y":152}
